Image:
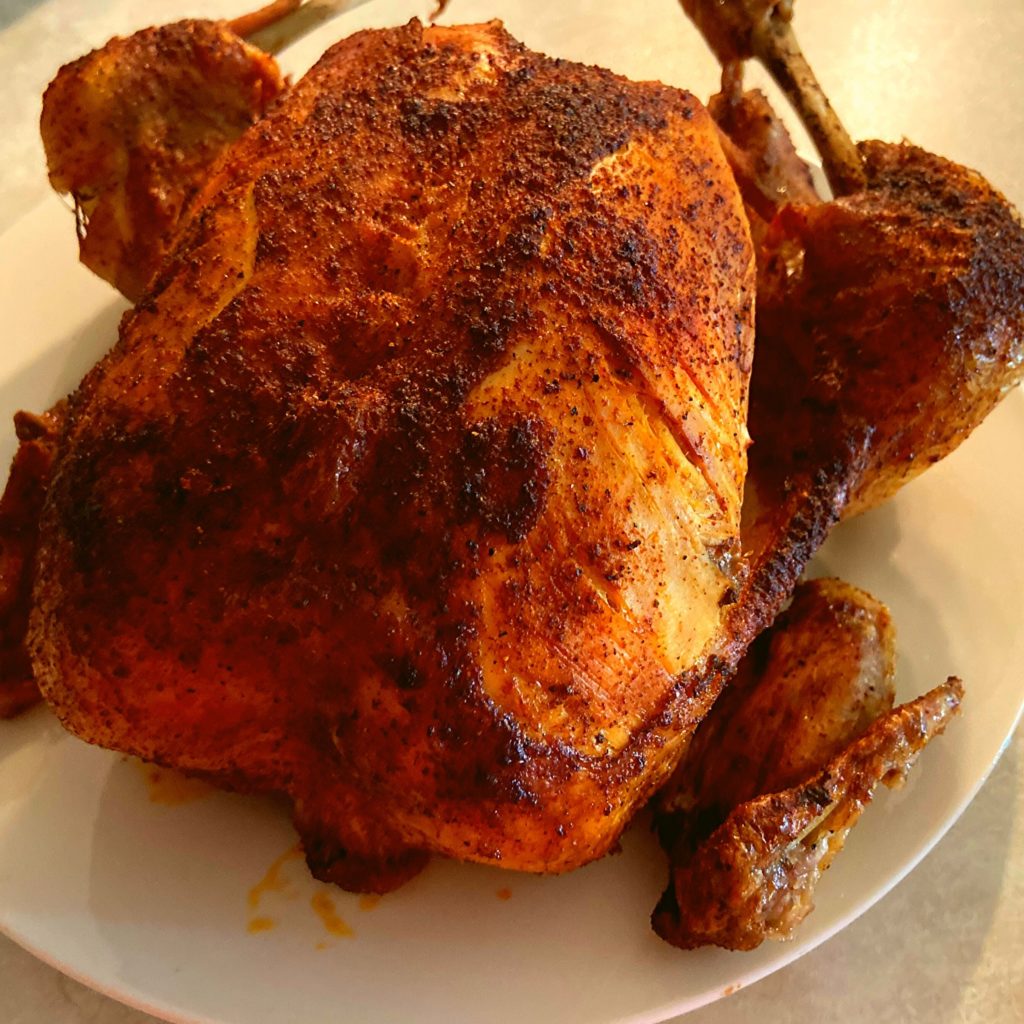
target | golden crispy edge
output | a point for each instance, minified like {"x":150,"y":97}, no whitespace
{"x":754,"y":877}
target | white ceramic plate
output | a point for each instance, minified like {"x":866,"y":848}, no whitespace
{"x":150,"y":900}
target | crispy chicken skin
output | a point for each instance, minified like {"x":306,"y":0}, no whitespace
{"x":808,"y":687}
{"x":760,"y":151}
{"x":131,"y":130}
{"x":896,"y":308}
{"x":778,"y":773}
{"x":20,"y":507}
{"x":889,"y":324}
{"x":894,"y":313}
{"x":754,"y":877}
{"x":899,"y":309}
{"x":427,"y":442}
{"x":412,"y":487}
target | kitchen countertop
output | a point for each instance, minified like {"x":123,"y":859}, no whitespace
{"x":947,"y":945}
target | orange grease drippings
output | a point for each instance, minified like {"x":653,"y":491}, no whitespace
{"x":260,"y":924}
{"x":323,"y":905}
{"x":369,"y":900}
{"x":504,"y":894}
{"x":273,"y":880}
{"x":172,"y":789}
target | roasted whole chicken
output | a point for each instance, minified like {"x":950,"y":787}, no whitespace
{"x":416,"y":486}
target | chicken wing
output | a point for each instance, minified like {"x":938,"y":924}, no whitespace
{"x":806,"y":689}
{"x":754,"y":877}
{"x":132,"y":129}
{"x":780,"y":770}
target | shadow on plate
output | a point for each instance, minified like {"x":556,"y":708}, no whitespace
{"x":168,"y":891}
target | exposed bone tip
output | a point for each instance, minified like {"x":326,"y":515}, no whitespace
{"x":737,"y":30}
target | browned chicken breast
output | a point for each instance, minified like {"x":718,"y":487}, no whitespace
{"x":416,"y":488}
{"x":412,"y":487}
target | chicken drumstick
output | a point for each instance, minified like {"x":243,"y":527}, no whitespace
{"x":896,"y":309}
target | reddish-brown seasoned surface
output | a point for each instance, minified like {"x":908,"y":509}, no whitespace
{"x":20,"y":508}
{"x":754,"y":877}
{"x":807,"y":688}
{"x":890,"y":320}
{"x":131,"y":130}
{"x":412,"y":488}
{"x":762,"y":156}
{"x":780,"y":770}
{"x":898,"y":309}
